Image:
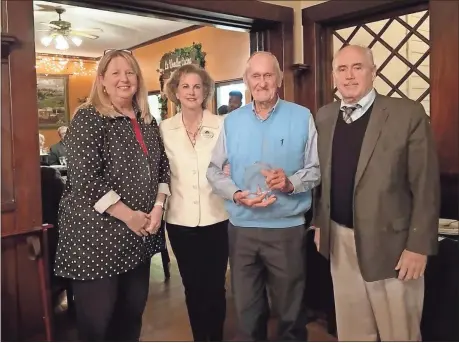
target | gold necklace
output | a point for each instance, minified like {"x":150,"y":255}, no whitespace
{"x":193,"y":135}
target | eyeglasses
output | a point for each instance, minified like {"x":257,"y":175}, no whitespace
{"x":111,"y":50}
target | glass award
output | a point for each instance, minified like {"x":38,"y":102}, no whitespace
{"x":255,"y":181}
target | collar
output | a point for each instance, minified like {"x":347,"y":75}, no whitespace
{"x":270,"y":112}
{"x":208,"y":120}
{"x":364,"y":103}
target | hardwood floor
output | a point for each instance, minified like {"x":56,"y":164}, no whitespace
{"x":166,"y":318}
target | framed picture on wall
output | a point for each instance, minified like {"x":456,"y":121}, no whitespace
{"x":52,"y":100}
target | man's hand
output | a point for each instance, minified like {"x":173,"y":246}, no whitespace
{"x":277,"y":180}
{"x":260,"y":200}
{"x":317,"y":237}
{"x":156,"y":215}
{"x":411,"y":265}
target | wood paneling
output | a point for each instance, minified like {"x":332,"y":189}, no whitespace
{"x":23,"y":312}
{"x":22,"y":304}
{"x":23,"y":119}
{"x":8,"y":200}
{"x":444,"y":76}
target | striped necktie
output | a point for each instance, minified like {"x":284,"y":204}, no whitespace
{"x":347,"y":112}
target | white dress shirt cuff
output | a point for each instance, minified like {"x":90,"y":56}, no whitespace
{"x":298,"y":186}
{"x":109,"y":199}
{"x":164,"y":188}
{"x":228,"y":192}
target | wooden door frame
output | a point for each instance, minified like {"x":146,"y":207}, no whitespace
{"x":26,"y":307}
{"x":444,"y":71}
{"x":317,"y":37}
{"x":270,"y":26}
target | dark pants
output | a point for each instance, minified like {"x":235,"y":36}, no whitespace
{"x":202,"y":258}
{"x":275,"y":258}
{"x":110,"y":309}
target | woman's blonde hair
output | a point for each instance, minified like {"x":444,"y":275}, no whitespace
{"x":100,"y":99}
{"x":174,"y":81}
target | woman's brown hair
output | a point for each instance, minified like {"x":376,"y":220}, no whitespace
{"x":174,"y":81}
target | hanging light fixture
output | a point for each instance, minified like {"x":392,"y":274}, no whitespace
{"x":61,"y":43}
{"x":61,"y":33}
{"x":46,"y":40}
{"x":76,"y":40}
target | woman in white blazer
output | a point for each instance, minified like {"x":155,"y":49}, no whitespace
{"x":196,"y":220}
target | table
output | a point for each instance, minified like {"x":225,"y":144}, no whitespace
{"x":440,"y":317}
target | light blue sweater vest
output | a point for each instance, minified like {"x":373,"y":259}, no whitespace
{"x":279,"y":141}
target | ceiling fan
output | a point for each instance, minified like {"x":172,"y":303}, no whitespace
{"x":61,"y":32}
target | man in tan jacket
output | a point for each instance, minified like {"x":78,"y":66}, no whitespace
{"x":376,"y":214}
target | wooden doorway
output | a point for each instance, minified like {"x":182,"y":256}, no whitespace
{"x":419,"y":63}
{"x":26,"y":313}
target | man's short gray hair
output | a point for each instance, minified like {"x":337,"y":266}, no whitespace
{"x":279,"y":73}
{"x":366,"y":50}
{"x":60,"y":129}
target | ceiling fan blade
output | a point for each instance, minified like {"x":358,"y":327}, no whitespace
{"x":45,"y":8}
{"x":83,"y":34}
{"x":51,"y":25}
{"x":88,"y":30}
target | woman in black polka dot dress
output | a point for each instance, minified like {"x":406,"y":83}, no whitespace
{"x":110,"y":213}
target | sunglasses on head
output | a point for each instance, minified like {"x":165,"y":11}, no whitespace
{"x":111,"y":50}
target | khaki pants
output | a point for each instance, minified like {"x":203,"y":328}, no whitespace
{"x":386,"y":310}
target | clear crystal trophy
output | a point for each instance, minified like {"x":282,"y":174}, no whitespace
{"x":255,"y":181}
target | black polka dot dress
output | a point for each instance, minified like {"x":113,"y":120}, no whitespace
{"x":104,"y":158}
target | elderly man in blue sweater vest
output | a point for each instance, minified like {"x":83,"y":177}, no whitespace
{"x":271,"y":148}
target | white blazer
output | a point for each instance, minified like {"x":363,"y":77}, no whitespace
{"x":192,"y":202}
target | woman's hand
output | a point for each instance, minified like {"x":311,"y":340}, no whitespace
{"x":138,"y":222}
{"x":156,"y":215}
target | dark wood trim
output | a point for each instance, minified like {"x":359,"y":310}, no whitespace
{"x":8,"y":43}
{"x":272,"y":24}
{"x":227,"y":82}
{"x":20,"y":233}
{"x":168,"y":36}
{"x":8,"y":206}
{"x":444,"y":75}
{"x":84,"y":58}
{"x":156,"y":92}
{"x":318,"y":23}
{"x":246,"y":14}
{"x":334,"y":11}
{"x":423,"y":5}
{"x":299,"y":68}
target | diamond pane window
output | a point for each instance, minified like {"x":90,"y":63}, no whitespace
{"x":401,"y":51}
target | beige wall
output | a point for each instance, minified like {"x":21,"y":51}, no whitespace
{"x":298,"y":28}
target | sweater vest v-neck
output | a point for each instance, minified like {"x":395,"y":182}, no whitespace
{"x":347,"y":143}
